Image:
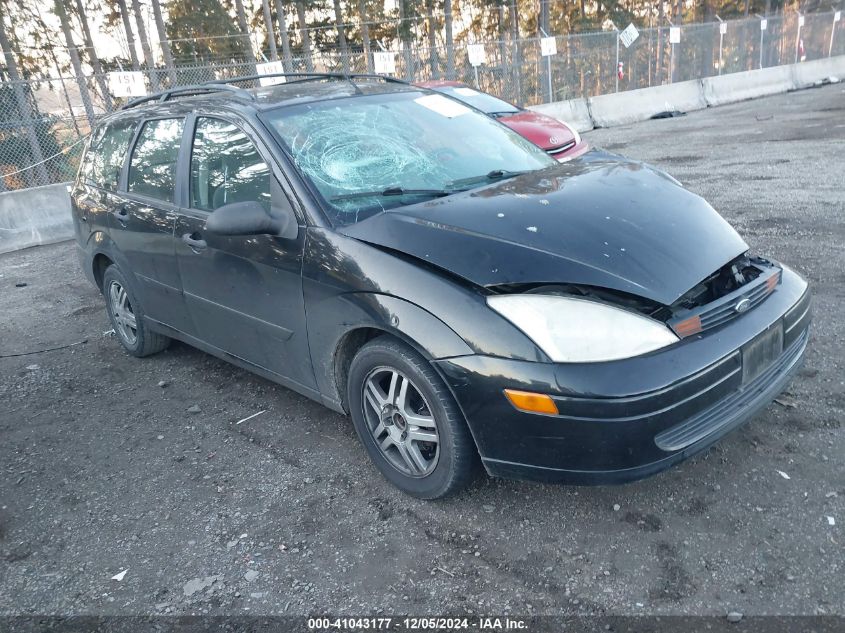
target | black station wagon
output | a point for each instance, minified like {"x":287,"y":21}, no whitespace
{"x":406,"y":260}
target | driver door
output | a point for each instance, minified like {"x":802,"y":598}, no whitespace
{"x":243,"y":293}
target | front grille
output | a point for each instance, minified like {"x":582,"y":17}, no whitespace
{"x":562,"y":148}
{"x":730,"y":306}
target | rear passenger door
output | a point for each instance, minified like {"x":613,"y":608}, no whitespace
{"x":142,"y":220}
{"x":243,"y":292}
{"x":99,"y":177}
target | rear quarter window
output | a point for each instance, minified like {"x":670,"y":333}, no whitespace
{"x":152,"y":168}
{"x":106,"y":155}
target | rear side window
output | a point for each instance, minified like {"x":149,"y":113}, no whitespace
{"x":106,"y":154}
{"x":226,"y":167}
{"x":152,"y":169}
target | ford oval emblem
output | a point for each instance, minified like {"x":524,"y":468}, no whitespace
{"x":742,"y":305}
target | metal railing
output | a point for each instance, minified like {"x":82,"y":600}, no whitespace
{"x":43,"y":122}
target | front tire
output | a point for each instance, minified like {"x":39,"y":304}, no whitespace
{"x":408,"y":421}
{"x":127,"y":317}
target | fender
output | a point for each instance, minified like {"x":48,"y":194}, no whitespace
{"x":345,"y":314}
{"x":99,"y":243}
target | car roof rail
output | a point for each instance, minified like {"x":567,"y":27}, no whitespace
{"x":197,"y":89}
{"x":312,"y":76}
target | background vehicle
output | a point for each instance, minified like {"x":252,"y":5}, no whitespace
{"x":407,"y":260}
{"x":559,"y":139}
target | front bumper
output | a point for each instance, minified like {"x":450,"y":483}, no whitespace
{"x":624,"y":420}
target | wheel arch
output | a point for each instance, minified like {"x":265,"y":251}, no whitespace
{"x":376,"y":315}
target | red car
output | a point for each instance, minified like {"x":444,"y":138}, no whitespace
{"x":559,"y":139}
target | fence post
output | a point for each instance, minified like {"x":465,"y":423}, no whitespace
{"x":616,"y":68}
{"x":836,"y":16}
{"x":798,"y":36}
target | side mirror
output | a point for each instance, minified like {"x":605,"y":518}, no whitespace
{"x":250,"y":218}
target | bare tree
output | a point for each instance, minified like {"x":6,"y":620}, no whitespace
{"x":130,"y":36}
{"x":450,"y":45}
{"x":405,"y":39}
{"x":282,"y":17}
{"x":306,"y":39}
{"x":271,"y":32}
{"x":239,"y":8}
{"x":341,"y":36}
{"x":165,"y":45}
{"x":73,"y":51}
{"x":433,"y":60}
{"x":24,"y":107}
{"x":149,"y":61}
{"x":365,"y":33}
{"x":93,"y":59}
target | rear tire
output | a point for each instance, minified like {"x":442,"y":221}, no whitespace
{"x":408,"y":421}
{"x":127,"y":317}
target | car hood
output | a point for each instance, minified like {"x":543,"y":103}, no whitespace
{"x":600,"y":220}
{"x":540,"y":129}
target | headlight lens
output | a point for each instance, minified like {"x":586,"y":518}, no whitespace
{"x":575,"y":134}
{"x":572,"y":330}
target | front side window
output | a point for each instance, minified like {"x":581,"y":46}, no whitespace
{"x":373,"y":153}
{"x":226,"y":167}
{"x":106,"y":154}
{"x":152,"y":168}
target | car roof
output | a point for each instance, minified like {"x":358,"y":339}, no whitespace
{"x":298,"y":88}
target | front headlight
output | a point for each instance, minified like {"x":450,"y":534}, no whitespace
{"x":572,"y":330}
{"x":575,"y":134}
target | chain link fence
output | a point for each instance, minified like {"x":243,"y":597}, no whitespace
{"x":43,"y":123}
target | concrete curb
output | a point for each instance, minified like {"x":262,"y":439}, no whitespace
{"x":29,"y":217}
{"x":622,"y":108}
{"x":628,"y":107}
{"x":809,"y":74}
{"x":574,"y":112}
{"x":750,"y":84}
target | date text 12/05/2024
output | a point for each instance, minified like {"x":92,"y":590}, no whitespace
{"x":428,"y":623}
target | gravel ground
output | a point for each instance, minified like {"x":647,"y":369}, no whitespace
{"x":104,"y":469}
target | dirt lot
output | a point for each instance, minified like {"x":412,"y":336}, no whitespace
{"x":104,"y":469}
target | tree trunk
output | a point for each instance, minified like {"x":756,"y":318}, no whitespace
{"x":130,"y":37}
{"x":516,"y":53}
{"x":24,"y":109}
{"x":306,"y":39}
{"x":341,"y":36}
{"x":365,"y":33}
{"x":149,"y":61}
{"x":73,"y":51}
{"x":433,"y":60}
{"x":165,"y":45}
{"x":282,"y":17}
{"x":450,"y":45}
{"x":92,"y":55}
{"x":405,"y":37}
{"x":242,"y":25}
{"x":271,"y":32}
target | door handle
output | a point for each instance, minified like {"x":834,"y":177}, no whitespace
{"x":121,"y":214}
{"x":195,"y":244}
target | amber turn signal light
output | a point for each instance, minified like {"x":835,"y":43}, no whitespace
{"x":688,"y":327}
{"x":531,"y":402}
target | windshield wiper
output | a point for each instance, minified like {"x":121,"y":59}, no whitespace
{"x":496,"y":174}
{"x":393,"y":191}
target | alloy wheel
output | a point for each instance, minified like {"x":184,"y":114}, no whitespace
{"x":401,"y":422}
{"x":125,"y":322}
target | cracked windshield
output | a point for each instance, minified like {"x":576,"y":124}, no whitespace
{"x":370,"y":154}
